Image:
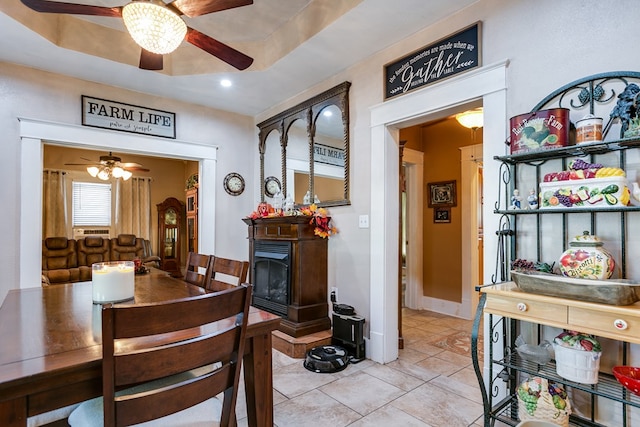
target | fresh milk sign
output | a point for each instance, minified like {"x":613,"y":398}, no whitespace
{"x":112,"y":115}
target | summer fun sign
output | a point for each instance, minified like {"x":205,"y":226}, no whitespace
{"x":113,"y":115}
{"x":454,"y":54}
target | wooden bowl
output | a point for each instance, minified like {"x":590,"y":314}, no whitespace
{"x":629,"y":377}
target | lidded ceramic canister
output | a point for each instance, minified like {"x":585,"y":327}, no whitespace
{"x":586,"y":258}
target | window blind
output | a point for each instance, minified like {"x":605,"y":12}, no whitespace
{"x":91,"y":204}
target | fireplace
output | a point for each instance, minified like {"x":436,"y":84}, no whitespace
{"x":289,"y":273}
{"x":272,"y":276}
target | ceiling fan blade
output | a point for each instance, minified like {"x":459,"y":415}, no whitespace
{"x":193,"y":8}
{"x":130,"y":165}
{"x":79,"y":164}
{"x":150,"y":60}
{"x":72,"y":8}
{"x":218,"y":49}
{"x":136,"y":169}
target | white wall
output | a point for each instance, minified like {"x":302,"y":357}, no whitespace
{"x":48,"y":97}
{"x":548,"y":44}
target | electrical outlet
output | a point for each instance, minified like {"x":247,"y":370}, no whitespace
{"x":363,"y":221}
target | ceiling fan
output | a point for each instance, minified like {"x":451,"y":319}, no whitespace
{"x":137,"y":14}
{"x":110,"y":166}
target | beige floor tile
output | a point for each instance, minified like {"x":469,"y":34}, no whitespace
{"x":424,"y":347}
{"x":439,"y":366}
{"x":394,"y":377}
{"x":388,"y":416}
{"x":471,"y":392}
{"x":438,"y":407}
{"x":362,"y":392}
{"x":458,"y":359}
{"x":313,"y":409}
{"x":293,"y":380}
{"x":409,"y":355}
{"x":413,"y":369}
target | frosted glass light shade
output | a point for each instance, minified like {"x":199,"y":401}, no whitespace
{"x":117,"y":172}
{"x":126,"y":175}
{"x":153,"y":26}
{"x":93,"y":171}
{"x":104,"y":174}
{"x":471,"y":119}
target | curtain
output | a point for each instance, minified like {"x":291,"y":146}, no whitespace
{"x":133,"y":207}
{"x":54,"y":206}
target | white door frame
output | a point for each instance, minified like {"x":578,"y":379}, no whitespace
{"x":414,"y":175}
{"x":488,"y":83}
{"x":35,"y":133}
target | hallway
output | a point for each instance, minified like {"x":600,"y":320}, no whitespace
{"x":431,"y":384}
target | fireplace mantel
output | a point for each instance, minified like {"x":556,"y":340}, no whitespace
{"x":307,"y":309}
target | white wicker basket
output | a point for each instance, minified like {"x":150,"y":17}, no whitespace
{"x":577,"y":365}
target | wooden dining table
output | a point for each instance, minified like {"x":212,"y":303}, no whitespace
{"x":51,"y":348}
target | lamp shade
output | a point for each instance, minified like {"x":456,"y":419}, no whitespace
{"x":154,"y":26}
{"x":471,"y":119}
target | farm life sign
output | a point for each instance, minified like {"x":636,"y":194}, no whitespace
{"x":454,"y":54}
{"x":113,"y":115}
{"x":329,"y":155}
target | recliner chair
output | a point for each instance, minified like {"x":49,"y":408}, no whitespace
{"x":126,"y":247}
{"x":91,"y":250}
{"x":60,"y":260}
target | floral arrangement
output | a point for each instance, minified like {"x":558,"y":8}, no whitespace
{"x":319,"y":217}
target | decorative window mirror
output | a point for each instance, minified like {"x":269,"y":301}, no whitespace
{"x":307,"y":148}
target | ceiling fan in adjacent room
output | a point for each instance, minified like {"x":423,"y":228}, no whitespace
{"x":110,"y":166}
{"x":157,"y":27}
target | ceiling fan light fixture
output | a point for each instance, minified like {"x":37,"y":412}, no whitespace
{"x":104,"y":174}
{"x":153,"y":26}
{"x":126,"y":175}
{"x":117,"y":172}
{"x":471,"y":119}
{"x":93,"y":171}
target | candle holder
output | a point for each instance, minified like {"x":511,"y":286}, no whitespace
{"x":112,"y":281}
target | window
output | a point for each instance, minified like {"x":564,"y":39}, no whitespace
{"x":91,"y":204}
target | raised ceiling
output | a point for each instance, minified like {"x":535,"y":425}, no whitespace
{"x":295,"y":45}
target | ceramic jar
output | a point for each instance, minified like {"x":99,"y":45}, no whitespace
{"x":586,"y":258}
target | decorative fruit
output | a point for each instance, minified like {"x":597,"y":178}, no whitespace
{"x":605,"y":172}
{"x":609,"y":189}
{"x":625,"y":197}
{"x":581,"y":164}
{"x":611,"y":199}
{"x":576,"y":174}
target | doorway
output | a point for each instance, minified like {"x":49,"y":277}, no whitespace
{"x":487,"y":84}
{"x":34,"y":134}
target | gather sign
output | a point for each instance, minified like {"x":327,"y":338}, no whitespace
{"x":113,"y":115}
{"x":454,"y":54}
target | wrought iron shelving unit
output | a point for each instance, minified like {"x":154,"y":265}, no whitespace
{"x":505,"y":369}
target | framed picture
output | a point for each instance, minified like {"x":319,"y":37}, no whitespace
{"x":442,"y":215}
{"x":442,"y":194}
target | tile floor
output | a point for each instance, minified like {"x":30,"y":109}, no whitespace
{"x":431,"y":384}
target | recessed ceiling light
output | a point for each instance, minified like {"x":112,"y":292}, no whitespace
{"x":225,"y":83}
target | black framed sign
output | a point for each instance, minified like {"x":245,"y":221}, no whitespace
{"x":102,"y":113}
{"x":445,"y":58}
{"x":441,"y":194}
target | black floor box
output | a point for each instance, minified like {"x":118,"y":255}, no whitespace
{"x":348,"y":332}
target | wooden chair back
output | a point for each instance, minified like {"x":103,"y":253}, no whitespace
{"x":133,"y":354}
{"x":196,"y":271}
{"x":224,"y":273}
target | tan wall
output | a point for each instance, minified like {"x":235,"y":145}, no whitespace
{"x":168,"y":177}
{"x":442,"y":242}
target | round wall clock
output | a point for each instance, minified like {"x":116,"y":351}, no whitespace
{"x":234,"y":184}
{"x":271,"y":186}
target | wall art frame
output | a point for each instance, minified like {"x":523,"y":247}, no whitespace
{"x":442,"y":194}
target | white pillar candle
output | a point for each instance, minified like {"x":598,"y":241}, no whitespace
{"x":112,"y":281}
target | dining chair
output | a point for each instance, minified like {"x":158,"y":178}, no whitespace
{"x":164,"y":363}
{"x":196,"y":270}
{"x":224,"y":273}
